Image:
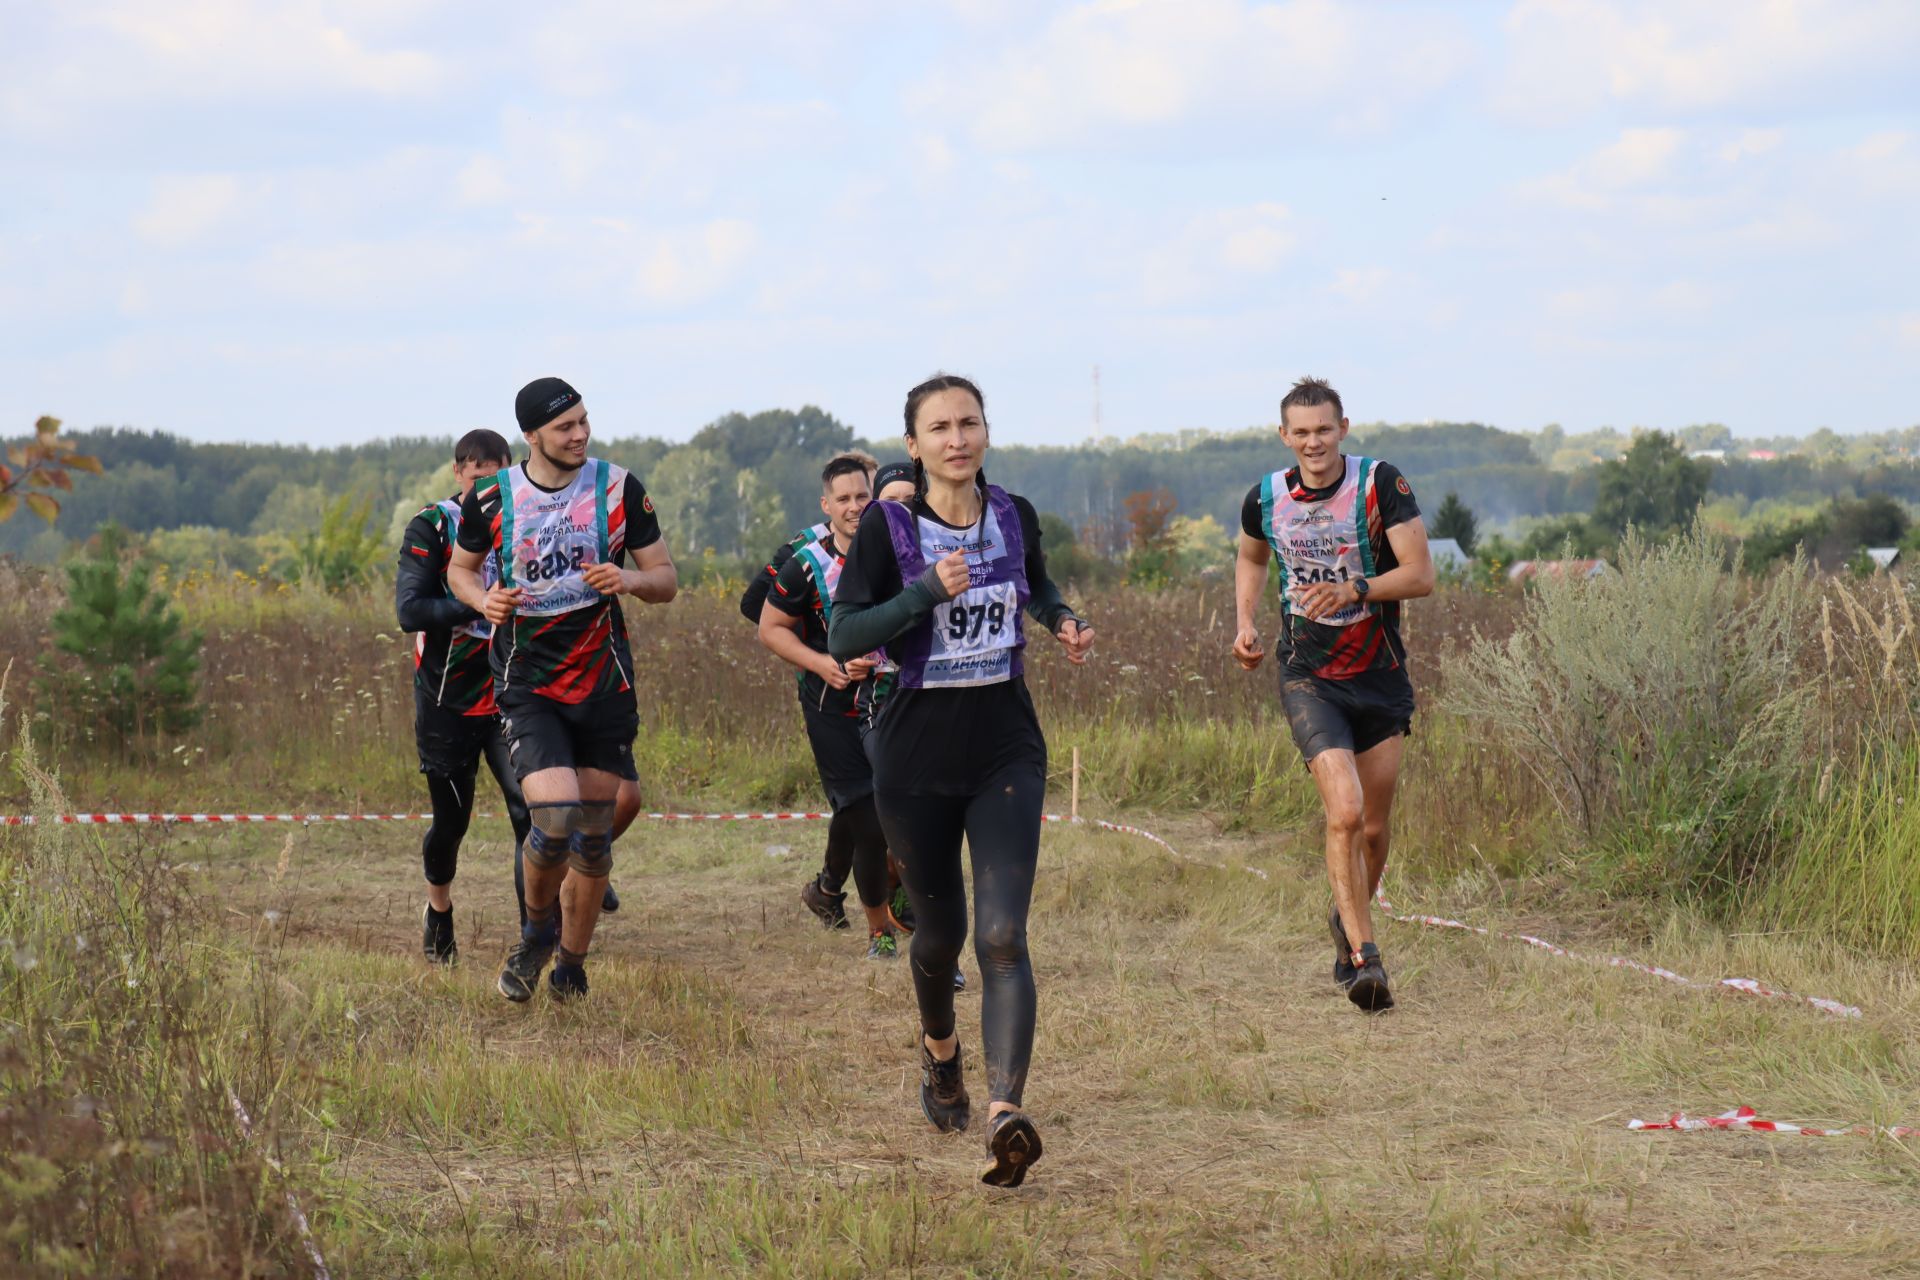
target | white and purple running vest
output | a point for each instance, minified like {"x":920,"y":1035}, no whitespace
{"x":977,"y":637}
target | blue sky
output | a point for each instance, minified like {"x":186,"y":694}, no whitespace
{"x":325,"y":222}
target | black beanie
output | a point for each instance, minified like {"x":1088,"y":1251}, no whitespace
{"x":543,"y":400}
{"x":892,"y":471}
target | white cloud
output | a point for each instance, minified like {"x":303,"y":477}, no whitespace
{"x":1361,"y":284}
{"x":1216,"y":253}
{"x":1751,"y":143}
{"x":1568,"y":57}
{"x":1635,"y":172}
{"x":692,"y":265}
{"x":186,"y":207}
{"x":1909,"y":328}
{"x":1123,"y":65}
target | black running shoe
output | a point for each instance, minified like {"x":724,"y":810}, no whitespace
{"x":959,"y":979}
{"x":900,"y":911}
{"x":1014,"y":1144}
{"x":1343,"y":970}
{"x":943,"y":1090}
{"x":436,"y":936}
{"x":522,"y":972}
{"x":1370,"y":989}
{"x":567,"y":982}
{"x":830,"y":907}
{"x":609,"y":901}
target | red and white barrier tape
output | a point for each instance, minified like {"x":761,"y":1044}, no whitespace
{"x":1746,"y":985}
{"x":1747,"y":1119}
{"x":168,"y":819}
{"x":320,"y":1271}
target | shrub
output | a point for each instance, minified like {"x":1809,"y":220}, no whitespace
{"x":1660,"y":705}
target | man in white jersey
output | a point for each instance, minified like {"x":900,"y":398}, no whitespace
{"x":559,"y":527}
{"x":1351,"y":546}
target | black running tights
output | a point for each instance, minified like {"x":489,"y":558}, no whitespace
{"x":1001,"y":823}
{"x":856,"y":842}
{"x":453,"y":809}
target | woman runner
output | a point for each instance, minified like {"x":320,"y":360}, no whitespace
{"x":941,"y":581}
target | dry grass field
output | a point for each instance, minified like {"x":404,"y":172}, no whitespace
{"x":738,"y":1096}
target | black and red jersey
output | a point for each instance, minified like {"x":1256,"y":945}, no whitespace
{"x":450,"y":663}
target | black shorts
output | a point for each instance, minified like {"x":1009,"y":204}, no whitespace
{"x":595,"y":734}
{"x":840,"y":755}
{"x":1356,"y":715}
{"x":450,"y":744}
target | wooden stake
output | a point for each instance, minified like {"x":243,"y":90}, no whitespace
{"x":1074,"y":810}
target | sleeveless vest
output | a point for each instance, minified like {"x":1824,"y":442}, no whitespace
{"x":977,"y":637}
{"x":546,"y":538}
{"x":479,"y":628}
{"x":1323,"y":541}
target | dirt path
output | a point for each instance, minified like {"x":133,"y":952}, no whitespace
{"x":744,"y":1099}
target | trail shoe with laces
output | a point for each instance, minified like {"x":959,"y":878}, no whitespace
{"x":609,"y":901}
{"x":1014,"y":1144}
{"x":883,"y":946}
{"x":524,"y":963}
{"x":900,"y":911}
{"x":567,"y":982}
{"x":830,"y":907}
{"x":1370,"y":989}
{"x":1343,"y":970}
{"x":436,"y":936}
{"x":943,"y":1090}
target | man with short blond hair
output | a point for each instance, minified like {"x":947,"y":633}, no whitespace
{"x":1351,"y":546}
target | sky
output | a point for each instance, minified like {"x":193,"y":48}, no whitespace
{"x":325,"y":221}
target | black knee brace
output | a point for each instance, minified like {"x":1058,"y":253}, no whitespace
{"x":549,"y":839}
{"x":590,"y":848}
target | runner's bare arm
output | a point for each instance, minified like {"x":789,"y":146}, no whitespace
{"x":653,"y":577}
{"x":463,"y":577}
{"x":1413,"y":577}
{"x":1249,"y":580}
{"x":780,"y":633}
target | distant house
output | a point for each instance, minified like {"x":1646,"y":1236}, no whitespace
{"x":1883,"y":557}
{"x":1762,"y":455}
{"x":1712,"y":455}
{"x":1527,"y":570}
{"x":1447,"y":555}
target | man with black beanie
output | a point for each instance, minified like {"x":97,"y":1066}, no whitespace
{"x":560,"y":528}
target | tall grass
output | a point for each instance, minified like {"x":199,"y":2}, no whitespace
{"x":119,"y":1152}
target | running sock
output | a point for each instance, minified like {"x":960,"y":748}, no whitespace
{"x":571,"y":959}
{"x":543,"y":924}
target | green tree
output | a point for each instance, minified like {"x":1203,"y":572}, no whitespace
{"x":122,"y":667}
{"x":1655,"y":488}
{"x":1067,"y":560}
{"x":693,"y":488}
{"x":1876,"y":520}
{"x":1455,"y":520}
{"x":343,"y":550}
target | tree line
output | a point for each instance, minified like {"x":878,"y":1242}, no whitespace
{"x":742,"y":482}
